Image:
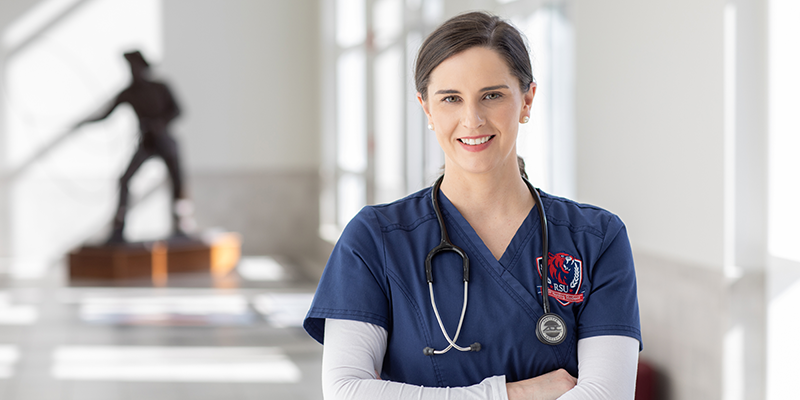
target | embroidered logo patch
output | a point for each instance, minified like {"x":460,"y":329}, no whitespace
{"x":565,"y":278}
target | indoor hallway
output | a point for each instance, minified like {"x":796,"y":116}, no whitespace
{"x":236,"y":338}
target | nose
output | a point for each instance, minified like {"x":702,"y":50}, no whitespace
{"x":472,"y":116}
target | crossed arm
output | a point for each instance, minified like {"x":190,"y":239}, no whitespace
{"x":353,"y":358}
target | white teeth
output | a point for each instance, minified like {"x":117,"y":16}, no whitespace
{"x":473,"y":142}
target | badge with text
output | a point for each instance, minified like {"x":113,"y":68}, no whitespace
{"x":565,"y":276}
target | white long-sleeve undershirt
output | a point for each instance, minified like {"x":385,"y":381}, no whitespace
{"x":352,"y":360}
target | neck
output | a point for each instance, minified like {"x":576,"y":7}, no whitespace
{"x":488,"y":194}
{"x":494,"y":204}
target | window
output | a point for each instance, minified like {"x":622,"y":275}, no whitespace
{"x":62,"y":60}
{"x":376,"y":147}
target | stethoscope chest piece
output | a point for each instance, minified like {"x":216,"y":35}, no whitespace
{"x":551,"y":329}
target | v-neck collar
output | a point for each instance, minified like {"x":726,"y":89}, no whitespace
{"x":527,"y":231}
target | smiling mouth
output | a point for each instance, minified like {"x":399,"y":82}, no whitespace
{"x":477,"y":141}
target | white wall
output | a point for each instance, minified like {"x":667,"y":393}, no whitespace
{"x":649,"y":90}
{"x":247,"y":74}
{"x":650,"y":121}
{"x":671,"y":136}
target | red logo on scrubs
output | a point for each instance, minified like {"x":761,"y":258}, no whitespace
{"x":565,"y":277}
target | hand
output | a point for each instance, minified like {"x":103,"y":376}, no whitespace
{"x":549,"y":386}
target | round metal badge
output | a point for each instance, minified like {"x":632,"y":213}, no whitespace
{"x":551,"y":329}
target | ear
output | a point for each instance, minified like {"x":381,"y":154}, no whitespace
{"x":424,"y":105}
{"x":527,"y":100}
{"x":528,"y":96}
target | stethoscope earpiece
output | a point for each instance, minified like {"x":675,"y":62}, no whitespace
{"x":429,"y":351}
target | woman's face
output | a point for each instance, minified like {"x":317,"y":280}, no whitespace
{"x":475,"y":105}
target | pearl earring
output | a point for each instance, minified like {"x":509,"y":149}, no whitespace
{"x":430,"y":126}
{"x":525,"y":119}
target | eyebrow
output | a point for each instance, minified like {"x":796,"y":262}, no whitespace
{"x":486,"y":89}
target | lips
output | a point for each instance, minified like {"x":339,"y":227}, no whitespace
{"x":476,"y":144}
{"x":475,"y":141}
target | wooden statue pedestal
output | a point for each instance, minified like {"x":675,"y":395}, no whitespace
{"x":156,"y":261}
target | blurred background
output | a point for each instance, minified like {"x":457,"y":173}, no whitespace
{"x":678,"y":116}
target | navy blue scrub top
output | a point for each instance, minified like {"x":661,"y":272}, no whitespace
{"x":376,"y":274}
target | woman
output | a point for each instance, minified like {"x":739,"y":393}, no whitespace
{"x":374,"y":309}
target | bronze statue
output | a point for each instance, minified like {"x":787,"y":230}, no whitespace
{"x":156,"y":108}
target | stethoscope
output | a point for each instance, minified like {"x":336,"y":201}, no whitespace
{"x":550,"y":328}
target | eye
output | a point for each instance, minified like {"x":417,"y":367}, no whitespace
{"x":493,"y":96}
{"x":450,"y":99}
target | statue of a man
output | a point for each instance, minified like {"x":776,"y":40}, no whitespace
{"x":155,"y":107}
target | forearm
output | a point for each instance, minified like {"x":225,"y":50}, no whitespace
{"x":366,"y":388}
{"x":606,"y":369}
{"x":352,"y":359}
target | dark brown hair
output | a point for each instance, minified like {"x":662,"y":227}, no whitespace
{"x":474,"y":29}
{"x":465,"y":31}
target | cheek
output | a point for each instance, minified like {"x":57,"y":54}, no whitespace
{"x":445,"y":137}
{"x":511,"y":116}
{"x":443,"y":117}
{"x":441,"y":137}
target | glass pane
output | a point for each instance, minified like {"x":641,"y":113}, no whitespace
{"x":387,"y":21}
{"x":432,"y":11}
{"x":562,"y":135}
{"x":350,"y":22}
{"x":61,"y":184}
{"x":68,"y":73}
{"x":532,"y":143}
{"x":389,"y":127}
{"x":415,"y":122}
{"x":784,"y":136}
{"x":352,"y":193}
{"x":547,"y":142}
{"x":351,"y":127}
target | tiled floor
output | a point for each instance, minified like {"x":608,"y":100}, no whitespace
{"x":185,"y":341}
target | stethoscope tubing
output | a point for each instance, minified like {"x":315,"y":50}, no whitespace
{"x":441,"y":325}
{"x":446,"y":245}
{"x":545,"y":249}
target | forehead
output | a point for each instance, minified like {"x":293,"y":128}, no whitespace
{"x":472,"y":69}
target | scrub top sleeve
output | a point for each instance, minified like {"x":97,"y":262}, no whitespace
{"x":354,"y":284}
{"x":612,"y":307}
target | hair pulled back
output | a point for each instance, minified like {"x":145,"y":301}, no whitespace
{"x":465,"y":31}
{"x":474,"y":29}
